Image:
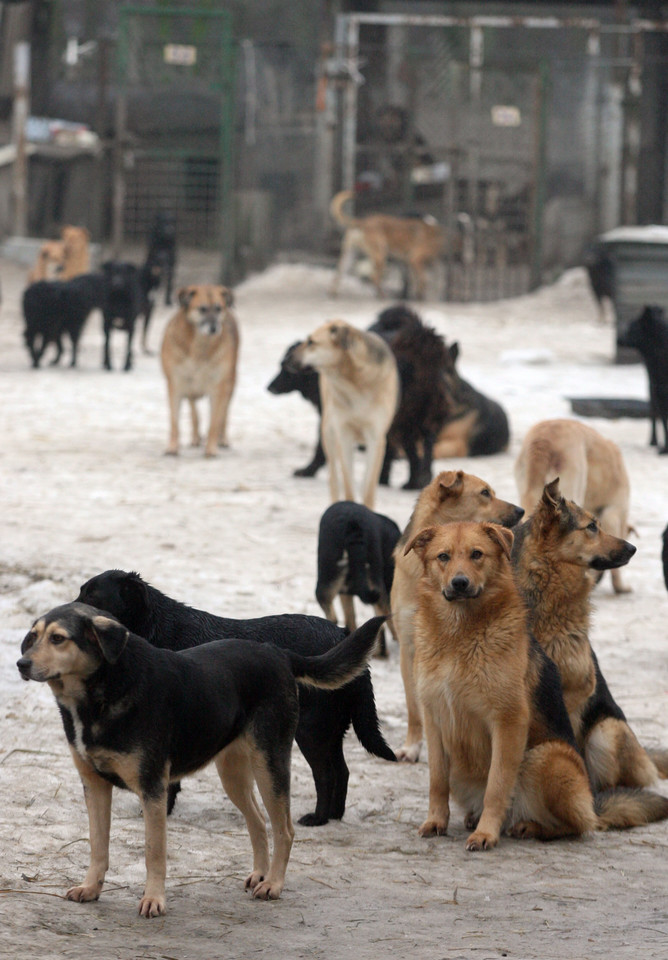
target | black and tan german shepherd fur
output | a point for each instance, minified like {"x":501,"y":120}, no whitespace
{"x":324,"y":715}
{"x":139,"y":717}
{"x":498,"y":734}
{"x":554,"y":550}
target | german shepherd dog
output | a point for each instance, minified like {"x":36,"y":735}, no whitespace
{"x":452,"y":495}
{"x":554,"y":550}
{"x":359,"y":389}
{"x":415,"y":241}
{"x":138,"y":717}
{"x":591,"y":470}
{"x":355,"y":559}
{"x":497,"y":730}
{"x":324,"y":715}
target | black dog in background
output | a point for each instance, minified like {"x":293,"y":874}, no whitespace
{"x":52,"y":308}
{"x":664,"y":557}
{"x":324,"y":716}
{"x":424,"y":404}
{"x":161,"y":255}
{"x":304,"y":380}
{"x":120,"y":305}
{"x":355,"y":559}
{"x":648,"y":334}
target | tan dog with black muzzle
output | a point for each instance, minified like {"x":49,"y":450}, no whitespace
{"x":199,"y":359}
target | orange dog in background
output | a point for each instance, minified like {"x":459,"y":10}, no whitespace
{"x":63,"y":259}
{"x":497,"y":730}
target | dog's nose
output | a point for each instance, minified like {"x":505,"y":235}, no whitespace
{"x":24,"y":665}
{"x":459,"y":584}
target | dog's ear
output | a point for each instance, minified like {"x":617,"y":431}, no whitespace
{"x":421,"y":541}
{"x":110,"y":635}
{"x":451,"y":484}
{"x":453,"y":350}
{"x":183,"y":296}
{"x":228,"y":296}
{"x":340,"y":334}
{"x":552,"y":496}
{"x":501,"y":536}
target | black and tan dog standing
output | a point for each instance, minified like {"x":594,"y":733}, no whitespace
{"x":498,"y":734}
{"x":452,"y":495}
{"x":138,"y":717}
{"x":359,"y":390}
{"x":199,"y":355}
{"x":554,"y":550}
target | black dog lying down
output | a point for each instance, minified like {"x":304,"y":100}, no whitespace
{"x":138,"y":717}
{"x":355,"y":559}
{"x":52,"y":308}
{"x":324,"y":716}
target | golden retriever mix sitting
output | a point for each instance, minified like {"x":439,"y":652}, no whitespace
{"x":497,"y":730}
{"x":416,"y":241}
{"x":199,"y":359}
{"x":359,"y":390}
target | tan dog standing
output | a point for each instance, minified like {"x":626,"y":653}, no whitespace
{"x":591,"y":471}
{"x":359,"y":390}
{"x":452,"y":495}
{"x":497,"y":731}
{"x":417,"y":242}
{"x":199,"y":359}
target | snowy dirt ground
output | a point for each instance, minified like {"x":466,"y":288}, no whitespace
{"x":84,"y":486}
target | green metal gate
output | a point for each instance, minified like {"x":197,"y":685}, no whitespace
{"x":174,"y":125}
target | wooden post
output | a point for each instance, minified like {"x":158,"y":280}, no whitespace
{"x":19,"y":118}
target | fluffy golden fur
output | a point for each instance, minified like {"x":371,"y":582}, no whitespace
{"x":359,"y":390}
{"x":591,"y":471}
{"x":452,"y":495}
{"x":199,"y":359}
{"x":554,"y":551}
{"x":497,"y":731}
{"x":415,"y":241}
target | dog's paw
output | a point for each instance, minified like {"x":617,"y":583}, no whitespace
{"x":312,"y":820}
{"x":409,"y":754}
{"x":479,"y":840}
{"x":433,"y":828}
{"x":267,"y":890}
{"x":85,"y":893}
{"x":152,"y":906}
{"x":525,"y":830}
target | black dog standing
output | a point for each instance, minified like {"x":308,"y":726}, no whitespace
{"x":648,"y":334}
{"x":121,"y":305}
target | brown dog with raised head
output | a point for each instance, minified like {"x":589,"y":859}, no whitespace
{"x":199,"y":359}
{"x":359,"y":390}
{"x":452,"y":495}
{"x":553,"y":553}
{"x":497,"y":730}
{"x":591,"y":471}
{"x":415,"y":241}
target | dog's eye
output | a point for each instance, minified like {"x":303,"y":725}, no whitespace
{"x":57,"y":639}
{"x":476,"y":554}
{"x":486,"y":493}
{"x":592,"y":527}
{"x":443,"y":557}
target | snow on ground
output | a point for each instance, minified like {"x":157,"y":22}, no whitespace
{"x":84,"y":486}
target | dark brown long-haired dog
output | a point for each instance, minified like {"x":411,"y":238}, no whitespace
{"x":497,"y":730}
{"x":553,"y":553}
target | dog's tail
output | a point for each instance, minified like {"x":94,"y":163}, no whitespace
{"x":624,"y":807}
{"x":336,"y":209}
{"x":365,"y":719}
{"x":659,"y":757}
{"x":342,"y":663}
